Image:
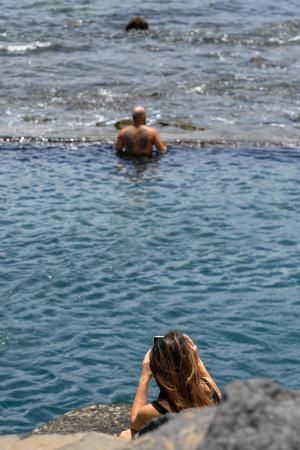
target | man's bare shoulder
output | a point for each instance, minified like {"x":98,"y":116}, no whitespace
{"x":125,"y":130}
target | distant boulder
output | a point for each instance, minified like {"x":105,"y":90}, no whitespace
{"x":137,"y":23}
{"x":260,"y":61}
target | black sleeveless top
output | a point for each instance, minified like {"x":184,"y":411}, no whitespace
{"x":162,"y":410}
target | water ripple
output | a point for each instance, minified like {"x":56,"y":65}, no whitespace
{"x":99,"y":254}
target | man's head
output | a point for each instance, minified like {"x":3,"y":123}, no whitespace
{"x":139,"y":115}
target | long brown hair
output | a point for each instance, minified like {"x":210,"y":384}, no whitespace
{"x":174,"y":362}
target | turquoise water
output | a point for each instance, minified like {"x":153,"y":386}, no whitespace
{"x":98,"y":254}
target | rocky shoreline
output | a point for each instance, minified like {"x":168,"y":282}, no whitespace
{"x":174,"y":135}
{"x":101,"y":418}
{"x":254,"y":414}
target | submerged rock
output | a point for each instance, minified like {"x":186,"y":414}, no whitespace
{"x":122,"y":123}
{"x":182,"y":124}
{"x":137,"y":23}
{"x":260,"y":61}
{"x":36,"y":119}
{"x":188,"y":126}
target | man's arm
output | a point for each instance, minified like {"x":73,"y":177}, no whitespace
{"x":159,"y":144}
{"x":119,"y":144}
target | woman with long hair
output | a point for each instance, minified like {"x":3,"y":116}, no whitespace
{"x":181,"y":376}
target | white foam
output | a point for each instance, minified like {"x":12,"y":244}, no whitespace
{"x":24,"y":48}
{"x":295,"y":39}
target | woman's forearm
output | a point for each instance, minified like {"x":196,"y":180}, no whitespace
{"x":140,"y":396}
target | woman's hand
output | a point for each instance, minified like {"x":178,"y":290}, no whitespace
{"x":140,"y":399}
{"x":146,"y":371}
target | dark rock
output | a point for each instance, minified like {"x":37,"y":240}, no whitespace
{"x":36,"y":119}
{"x":137,"y":23}
{"x":122,"y":123}
{"x":188,"y":126}
{"x":163,"y":123}
{"x":256,"y":414}
{"x":260,"y":61}
{"x":111,"y":419}
{"x":182,"y":124}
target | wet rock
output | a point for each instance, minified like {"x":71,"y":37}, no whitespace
{"x":111,"y":419}
{"x":122,"y":123}
{"x":294,"y":117}
{"x":163,"y":123}
{"x":182,"y":124}
{"x":36,"y":119}
{"x":137,"y":23}
{"x":256,"y":414}
{"x":188,"y":126}
{"x":260,"y":61}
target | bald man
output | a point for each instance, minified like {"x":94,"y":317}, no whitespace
{"x":138,"y":139}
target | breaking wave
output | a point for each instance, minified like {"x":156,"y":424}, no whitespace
{"x":21,"y":49}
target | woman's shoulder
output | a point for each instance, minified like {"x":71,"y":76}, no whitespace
{"x":147,"y":412}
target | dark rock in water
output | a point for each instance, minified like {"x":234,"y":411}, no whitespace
{"x":188,"y":126}
{"x":182,"y":124}
{"x":100,"y":124}
{"x":36,"y":119}
{"x":137,"y":23}
{"x":122,"y":123}
{"x":111,"y":419}
{"x":163,"y":123}
{"x":260,"y":61}
{"x":256,"y":414}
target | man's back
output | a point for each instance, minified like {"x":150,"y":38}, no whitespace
{"x":138,"y":139}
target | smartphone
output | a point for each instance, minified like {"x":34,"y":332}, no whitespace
{"x":156,"y":338}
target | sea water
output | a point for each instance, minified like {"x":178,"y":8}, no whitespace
{"x":99,"y":254}
{"x":214,"y":64}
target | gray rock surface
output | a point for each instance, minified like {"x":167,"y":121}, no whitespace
{"x":184,"y":431}
{"x":110,"y":419}
{"x":74,"y":441}
{"x":256,"y":414}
